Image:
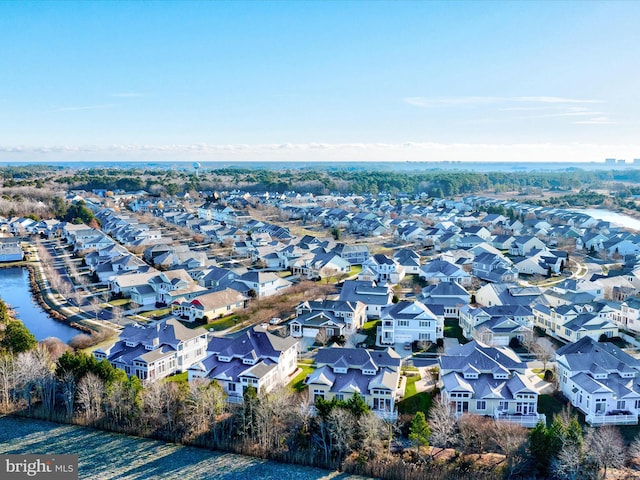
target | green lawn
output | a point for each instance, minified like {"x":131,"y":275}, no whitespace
{"x":157,"y":313}
{"x":297,"y":384}
{"x":178,"y":377}
{"x":453,"y":330}
{"x":370,"y":329}
{"x":119,"y":302}
{"x":414,"y":401}
{"x":223,"y":323}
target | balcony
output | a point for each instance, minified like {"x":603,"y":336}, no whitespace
{"x":528,"y":420}
{"x":614,"y":417}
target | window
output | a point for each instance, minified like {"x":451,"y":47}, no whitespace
{"x":621,"y":404}
{"x":339,"y":396}
{"x":425,"y":324}
{"x":403,"y":323}
{"x":232,"y":387}
{"x":481,"y":405}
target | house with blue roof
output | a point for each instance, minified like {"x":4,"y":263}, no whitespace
{"x":601,"y":381}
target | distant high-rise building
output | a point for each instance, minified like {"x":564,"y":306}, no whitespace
{"x":610,"y":161}
{"x":636,"y":161}
{"x":621,"y":162}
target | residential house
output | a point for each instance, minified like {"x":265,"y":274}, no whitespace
{"x":255,"y":358}
{"x":385,"y":269}
{"x":408,"y":322}
{"x":333,"y":317}
{"x":490,"y":381}
{"x":10,"y":249}
{"x":496,"y":325}
{"x":155,"y":351}
{"x":437,"y":271}
{"x":494,"y":267}
{"x":600,"y":380}
{"x":523,"y":245}
{"x":445,"y":298}
{"x":211,"y":305}
{"x":264,"y":284}
{"x":374,"y":297}
{"x":343,"y":372}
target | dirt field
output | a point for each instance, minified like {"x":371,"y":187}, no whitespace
{"x":106,"y":456}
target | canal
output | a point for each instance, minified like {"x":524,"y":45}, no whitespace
{"x":15,"y":292}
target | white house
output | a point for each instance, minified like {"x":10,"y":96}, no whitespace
{"x":491,"y":381}
{"x":156,"y":351}
{"x":601,"y":381}
{"x":408,"y":322}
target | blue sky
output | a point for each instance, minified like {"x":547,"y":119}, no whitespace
{"x":412,"y":80}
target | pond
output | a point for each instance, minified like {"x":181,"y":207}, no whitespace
{"x":615,"y":218}
{"x":15,"y":292}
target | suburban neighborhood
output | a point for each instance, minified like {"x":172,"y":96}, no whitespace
{"x":356,"y":298}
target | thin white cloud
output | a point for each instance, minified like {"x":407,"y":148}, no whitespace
{"x":470,"y":101}
{"x":596,"y":121}
{"x":83,"y":107}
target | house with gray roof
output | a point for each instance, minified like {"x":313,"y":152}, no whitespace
{"x":601,"y":381}
{"x":408,"y":322}
{"x":374,"y":297}
{"x":437,"y":271}
{"x":490,"y":381}
{"x":372,"y":374}
{"x":496,"y":325}
{"x":10,"y":249}
{"x":255,"y":358}
{"x":332,"y":317}
{"x":155,"y":351}
{"x":572,"y":322}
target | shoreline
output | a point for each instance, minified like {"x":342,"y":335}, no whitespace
{"x":36,"y":287}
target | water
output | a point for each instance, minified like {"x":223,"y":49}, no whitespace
{"x":406,"y":167}
{"x":14,"y":290}
{"x":615,"y":218}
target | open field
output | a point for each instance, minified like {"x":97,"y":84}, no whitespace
{"x":108,"y":456}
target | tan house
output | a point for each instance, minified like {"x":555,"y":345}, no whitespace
{"x":210,"y":305}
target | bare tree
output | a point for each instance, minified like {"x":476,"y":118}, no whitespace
{"x":204,"y":402}
{"x":473,"y":430}
{"x":96,"y":306}
{"x":605,"y":448}
{"x":442,"y":424}
{"x":91,"y":390}
{"x":68,"y":387}
{"x":32,"y":370}
{"x":511,"y":439}
{"x":341,"y":427}
{"x":373,"y":431}
{"x":634,"y":449}
{"x":161,"y":405}
{"x":568,"y":463}
{"x":117,"y":315}
{"x":7,"y":380}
